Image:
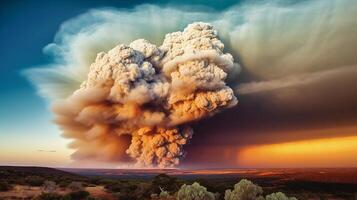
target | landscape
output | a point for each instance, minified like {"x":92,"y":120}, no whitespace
{"x":124,"y":184}
{"x":178,"y":100}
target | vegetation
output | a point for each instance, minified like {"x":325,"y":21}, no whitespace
{"x":49,"y":196}
{"x":279,"y":196}
{"x":34,"y":180}
{"x":77,"y":195}
{"x":244,"y":190}
{"x":36,"y":176}
{"x":194,"y":192}
{"x":5,"y":186}
{"x":165,"y":182}
{"x":124,"y":190}
{"x":75,"y":186}
{"x":164,"y":187}
{"x":49,"y":187}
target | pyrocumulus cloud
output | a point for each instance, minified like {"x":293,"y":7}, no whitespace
{"x":133,"y":99}
{"x":149,"y":93}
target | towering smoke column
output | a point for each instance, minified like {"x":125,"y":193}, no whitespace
{"x":148,"y":93}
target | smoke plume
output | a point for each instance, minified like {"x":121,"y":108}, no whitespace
{"x":297,"y":60}
{"x":148,"y":93}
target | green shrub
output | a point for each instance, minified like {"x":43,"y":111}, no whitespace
{"x":124,"y":190}
{"x":63,"y":183}
{"x":77,"y":195}
{"x":75,"y":186}
{"x":129,"y":190}
{"x":49,"y":187}
{"x":49,"y":196}
{"x":244,"y":190}
{"x":95,"y":181}
{"x":125,"y":196}
{"x":5,"y":186}
{"x":34,"y":180}
{"x":114,"y":187}
{"x":164,"y":182}
{"x":194,"y":192}
{"x":279,"y":196}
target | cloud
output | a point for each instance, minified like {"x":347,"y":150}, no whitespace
{"x":298,"y":63}
{"x":270,"y":39}
{"x":139,"y":92}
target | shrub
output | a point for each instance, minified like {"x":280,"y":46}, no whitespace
{"x":114,"y":186}
{"x":126,"y":191}
{"x":125,"y":196}
{"x":77,"y":195}
{"x":49,"y":196}
{"x":5,"y":186}
{"x":279,"y":196}
{"x":165,"y":182}
{"x":194,"y":192}
{"x":244,"y":190}
{"x":34,"y":180}
{"x":75,"y":186}
{"x":129,"y":190}
{"x":49,"y":187}
{"x":95,"y":181}
{"x":164,"y":194}
{"x":64,"y":183}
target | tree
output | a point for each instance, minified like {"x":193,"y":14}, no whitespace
{"x":5,"y":186}
{"x":279,"y":196}
{"x":75,"y":186}
{"x":34,"y":180}
{"x":49,"y":187}
{"x":49,"y":196}
{"x":164,"y":182}
{"x":194,"y":192}
{"x":244,"y":190}
{"x":76,"y":195}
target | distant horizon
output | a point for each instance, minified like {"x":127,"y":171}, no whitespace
{"x":188,"y":169}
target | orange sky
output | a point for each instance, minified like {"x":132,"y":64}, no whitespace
{"x":331,"y":152}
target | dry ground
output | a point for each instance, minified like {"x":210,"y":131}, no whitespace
{"x":28,"y":192}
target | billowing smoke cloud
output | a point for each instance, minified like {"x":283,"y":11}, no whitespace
{"x":149,"y":93}
{"x":285,"y":50}
{"x":271,"y":40}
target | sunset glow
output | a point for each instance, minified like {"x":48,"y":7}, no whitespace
{"x":332,"y":152}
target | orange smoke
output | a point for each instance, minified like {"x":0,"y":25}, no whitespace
{"x":331,"y":152}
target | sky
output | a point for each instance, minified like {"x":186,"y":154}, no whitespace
{"x":297,"y":90}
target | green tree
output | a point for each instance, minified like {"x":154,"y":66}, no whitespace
{"x":244,"y":190}
{"x":164,"y":182}
{"x":279,"y":196}
{"x":194,"y":192}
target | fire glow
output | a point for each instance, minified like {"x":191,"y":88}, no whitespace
{"x":329,"y":152}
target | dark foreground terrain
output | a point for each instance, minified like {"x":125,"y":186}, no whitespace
{"x":32,"y":182}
